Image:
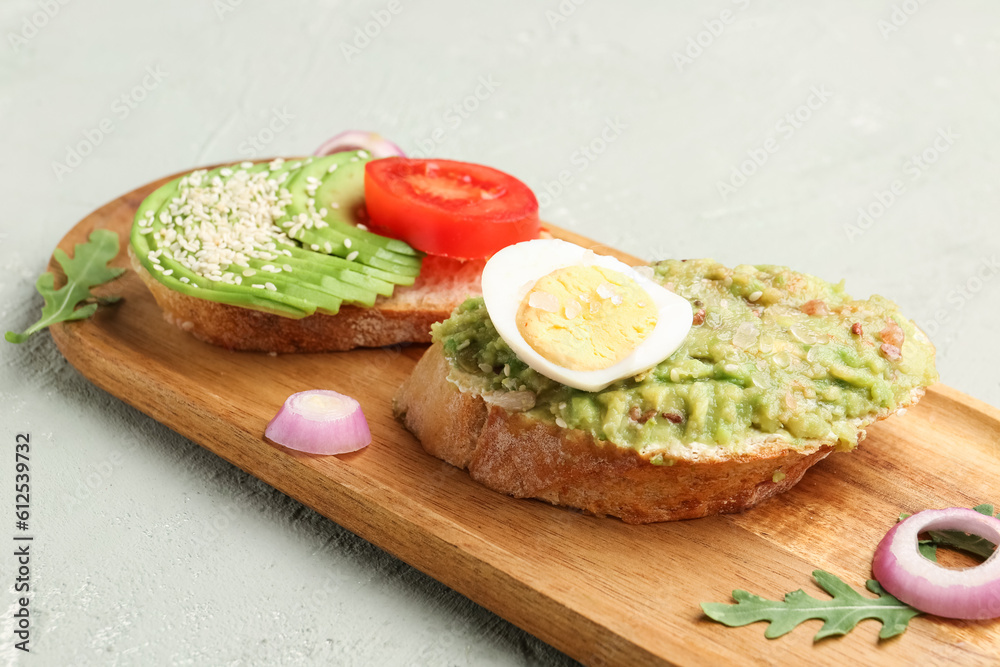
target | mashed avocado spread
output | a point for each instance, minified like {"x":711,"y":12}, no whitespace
{"x":771,"y":351}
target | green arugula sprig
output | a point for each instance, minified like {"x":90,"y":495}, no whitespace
{"x":847,"y":607}
{"x":86,"y":269}
{"x":973,"y":544}
{"x":841,"y":613}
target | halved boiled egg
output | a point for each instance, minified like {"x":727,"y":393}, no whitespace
{"x":579,"y":318}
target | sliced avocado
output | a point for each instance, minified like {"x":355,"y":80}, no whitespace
{"x":198,"y":286}
{"x":325,"y":263}
{"x":314,"y":272}
{"x":342,"y":193}
{"x":316,"y":281}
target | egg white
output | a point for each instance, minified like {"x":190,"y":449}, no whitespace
{"x":512,"y":272}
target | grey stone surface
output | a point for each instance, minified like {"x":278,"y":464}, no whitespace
{"x":677,"y":129}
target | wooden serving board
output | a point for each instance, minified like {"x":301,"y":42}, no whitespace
{"x":602,"y":591}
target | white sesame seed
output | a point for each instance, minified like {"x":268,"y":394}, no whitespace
{"x":313,"y":246}
{"x":226,"y":172}
{"x":334,"y":204}
{"x":354,"y":159}
{"x":347,"y":243}
{"x":168,"y":272}
{"x":271,"y":287}
{"x":257,"y":286}
{"x":353,"y":255}
{"x":364,"y":154}
{"x":246,"y":165}
{"x":328,"y":247}
{"x":157,"y":267}
{"x":333,"y":168}
{"x":287,"y":268}
{"x":363,"y":228}
{"x":754,"y":296}
{"x":560,"y":422}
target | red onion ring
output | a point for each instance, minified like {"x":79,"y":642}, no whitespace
{"x":320,"y":422}
{"x":355,"y":140}
{"x":972,"y":593}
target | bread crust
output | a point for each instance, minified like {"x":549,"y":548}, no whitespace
{"x":407,"y":316}
{"x":527,"y":458}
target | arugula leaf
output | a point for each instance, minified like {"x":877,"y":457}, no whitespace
{"x":86,"y":269}
{"x":956,"y":539}
{"x":841,"y":613}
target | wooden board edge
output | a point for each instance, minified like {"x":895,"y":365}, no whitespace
{"x":416,"y":540}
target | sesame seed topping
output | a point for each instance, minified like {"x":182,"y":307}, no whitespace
{"x":185,"y":279}
{"x":333,"y":168}
{"x":249,"y":272}
{"x":257,"y":286}
{"x":363,"y":228}
{"x":314,"y":246}
{"x":364,"y":154}
{"x":560,"y":422}
{"x":287,"y":268}
{"x":246,"y":165}
{"x":271,"y":287}
{"x":157,"y":267}
{"x":328,"y":247}
{"x":347,"y":243}
{"x":168,"y":272}
{"x":353,"y":255}
{"x":755,"y":295}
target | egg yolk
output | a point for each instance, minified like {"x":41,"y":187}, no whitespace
{"x":586,"y":318}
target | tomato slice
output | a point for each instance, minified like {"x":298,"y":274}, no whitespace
{"x":454,"y":209}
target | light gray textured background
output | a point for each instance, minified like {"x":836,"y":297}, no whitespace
{"x":151,"y":551}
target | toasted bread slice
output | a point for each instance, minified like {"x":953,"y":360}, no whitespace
{"x":524,"y":457}
{"x":406,"y":316}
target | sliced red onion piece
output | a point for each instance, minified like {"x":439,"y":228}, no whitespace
{"x":972,"y":593}
{"x":320,"y":421}
{"x":356,"y":140}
